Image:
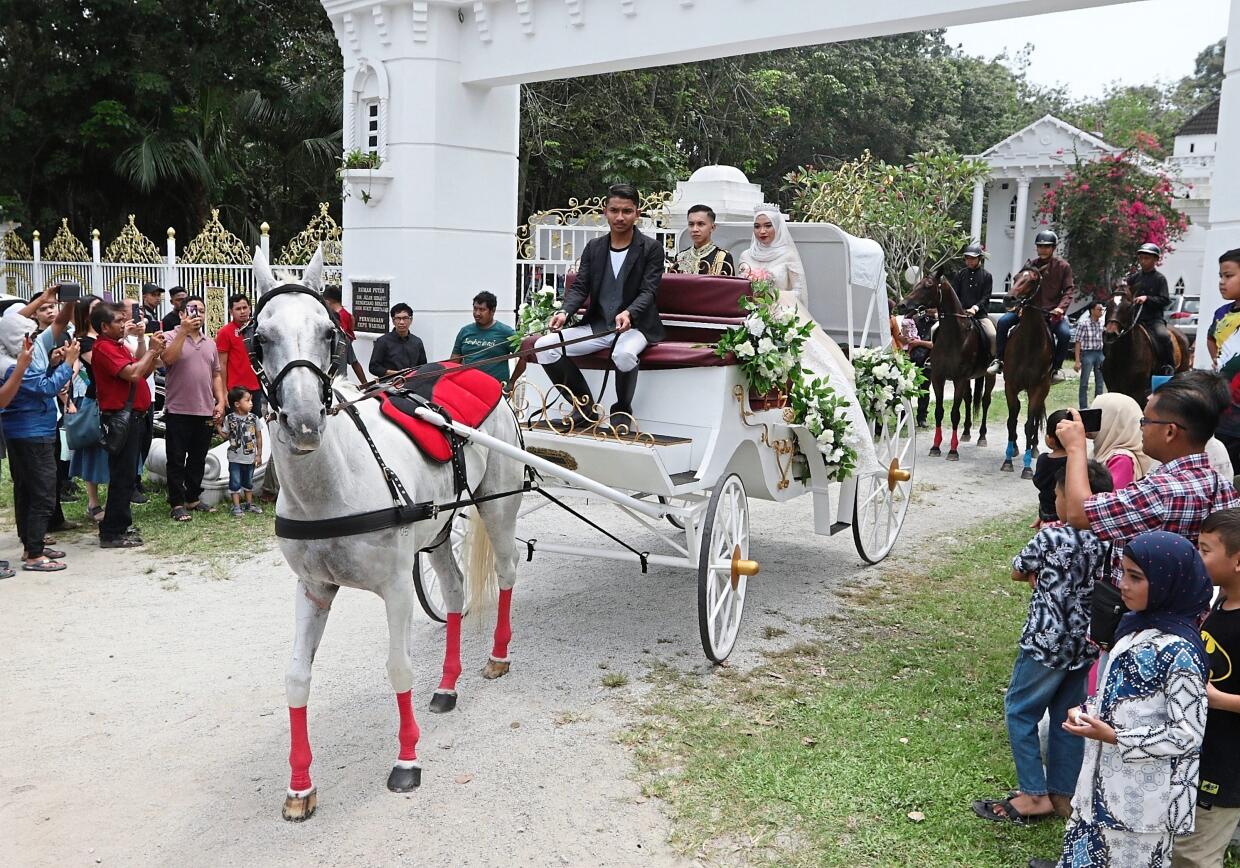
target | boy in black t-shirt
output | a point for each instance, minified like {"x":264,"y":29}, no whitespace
{"x":1218,"y":791}
{"x":1046,"y":469}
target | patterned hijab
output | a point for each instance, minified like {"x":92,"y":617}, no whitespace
{"x":1179,"y":591}
{"x":780,"y":245}
{"x":1120,"y":433}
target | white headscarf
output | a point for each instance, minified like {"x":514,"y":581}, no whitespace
{"x":780,"y":244}
{"x":13,"y":330}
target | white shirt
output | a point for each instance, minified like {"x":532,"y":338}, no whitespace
{"x":617,"y":261}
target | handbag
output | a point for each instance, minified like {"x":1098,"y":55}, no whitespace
{"x":116,"y":425}
{"x":83,"y":429}
{"x":1106,"y":607}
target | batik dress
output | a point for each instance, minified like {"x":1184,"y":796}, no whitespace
{"x":1135,"y":796}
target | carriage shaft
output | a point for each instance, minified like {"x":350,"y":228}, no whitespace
{"x":615,"y":555}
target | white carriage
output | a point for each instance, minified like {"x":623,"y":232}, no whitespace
{"x":704,"y":445}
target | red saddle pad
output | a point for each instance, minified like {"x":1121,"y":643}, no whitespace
{"x":468,"y":395}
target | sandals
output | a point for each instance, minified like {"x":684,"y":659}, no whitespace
{"x":121,"y":542}
{"x":985,"y":808}
{"x":47,"y":553}
{"x":180,"y":513}
{"x":44,"y":565}
{"x":201,"y":507}
{"x":95,"y":513}
{"x":6,"y":572}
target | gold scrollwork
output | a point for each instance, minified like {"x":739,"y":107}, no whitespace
{"x":11,"y":276}
{"x":587,"y":212}
{"x":215,"y":245}
{"x":785,"y":449}
{"x":321,"y":230}
{"x":130,"y":281}
{"x":132,"y":247}
{"x":15,"y":248}
{"x":65,"y":247}
{"x":558,"y":415}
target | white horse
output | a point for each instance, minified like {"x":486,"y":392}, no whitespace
{"x":329,"y":473}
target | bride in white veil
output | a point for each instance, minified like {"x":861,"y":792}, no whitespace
{"x":772,"y":251}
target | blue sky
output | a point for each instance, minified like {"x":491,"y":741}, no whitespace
{"x":1087,"y":49}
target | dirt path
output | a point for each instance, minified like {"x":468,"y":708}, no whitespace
{"x":144,"y":716}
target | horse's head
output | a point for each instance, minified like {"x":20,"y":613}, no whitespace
{"x":1118,"y":317}
{"x":927,"y":292}
{"x":1024,"y":285}
{"x":294,"y":346}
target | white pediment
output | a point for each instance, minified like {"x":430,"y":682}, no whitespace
{"x":1048,"y":146}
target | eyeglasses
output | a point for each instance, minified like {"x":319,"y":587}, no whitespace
{"x":1145,"y":421}
{"x":402,"y":317}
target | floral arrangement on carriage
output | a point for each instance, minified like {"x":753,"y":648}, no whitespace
{"x":534,"y":314}
{"x":886,"y":379}
{"x":768,"y":347}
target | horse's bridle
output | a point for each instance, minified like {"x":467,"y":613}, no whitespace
{"x":1132,"y":322}
{"x":253,"y":346}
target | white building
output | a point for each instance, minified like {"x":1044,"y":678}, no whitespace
{"x":1028,"y":163}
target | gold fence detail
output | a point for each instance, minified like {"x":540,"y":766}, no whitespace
{"x":65,"y":247}
{"x":132,"y":247}
{"x":215,"y":245}
{"x":321,"y":230}
{"x":15,"y":248}
{"x":585,"y":213}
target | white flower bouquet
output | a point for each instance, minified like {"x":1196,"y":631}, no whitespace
{"x":534,"y":314}
{"x":885,"y":380}
{"x":768,"y":344}
{"x":815,"y":405}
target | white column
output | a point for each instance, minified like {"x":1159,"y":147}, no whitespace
{"x":1224,"y":231}
{"x":96,"y":267}
{"x":1021,"y":229}
{"x":170,"y":274}
{"x":443,"y":226}
{"x":975,"y":224}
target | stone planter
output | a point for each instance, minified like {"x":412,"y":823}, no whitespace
{"x":365,"y":185}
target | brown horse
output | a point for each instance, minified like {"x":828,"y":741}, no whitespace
{"x":961,"y":353}
{"x":1027,"y":367}
{"x":1129,"y":357}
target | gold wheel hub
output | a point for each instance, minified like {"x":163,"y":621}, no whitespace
{"x":897,"y":474}
{"x":741,"y":567}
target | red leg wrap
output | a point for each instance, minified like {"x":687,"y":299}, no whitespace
{"x":408,"y":727}
{"x":503,"y":626}
{"x":955,"y":441}
{"x":938,"y":437}
{"x":452,"y":653}
{"x":299,"y":754}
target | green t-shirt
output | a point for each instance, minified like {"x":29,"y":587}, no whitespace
{"x":474,"y":344}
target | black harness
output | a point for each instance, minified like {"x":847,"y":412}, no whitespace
{"x":403,"y":510}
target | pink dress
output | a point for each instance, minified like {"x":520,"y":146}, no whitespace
{"x":1121,"y":467}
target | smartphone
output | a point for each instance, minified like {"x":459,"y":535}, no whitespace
{"x":1091,"y":419}
{"x":135,"y":311}
{"x":68,"y":290}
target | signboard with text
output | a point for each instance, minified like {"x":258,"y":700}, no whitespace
{"x":372,"y":299}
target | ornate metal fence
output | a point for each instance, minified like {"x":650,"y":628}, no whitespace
{"x":551,"y":241}
{"x":214,"y":265}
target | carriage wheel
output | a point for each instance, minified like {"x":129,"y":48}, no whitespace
{"x":724,"y":568}
{"x":426,"y":580}
{"x":882,"y":498}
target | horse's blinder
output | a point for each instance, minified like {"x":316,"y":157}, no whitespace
{"x":253,"y":348}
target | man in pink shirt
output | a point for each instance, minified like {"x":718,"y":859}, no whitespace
{"x":193,"y":405}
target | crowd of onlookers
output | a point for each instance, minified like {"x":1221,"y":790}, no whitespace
{"x":1123,"y":708}
{"x":78,"y":388}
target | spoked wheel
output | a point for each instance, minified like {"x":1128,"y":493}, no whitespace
{"x":883,"y":498}
{"x":426,"y":580}
{"x":724,"y":568}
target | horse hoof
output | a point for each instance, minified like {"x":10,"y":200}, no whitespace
{"x":1007,"y":466}
{"x":300,"y":808}
{"x":403,"y":780}
{"x":981,"y":441}
{"x":495,"y":669}
{"x":443,"y":702}
{"x":953,"y":455}
{"x":1027,"y":473}
{"x":966,"y":437}
{"x":935,"y":452}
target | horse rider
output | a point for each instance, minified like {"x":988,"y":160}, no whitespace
{"x":1054,"y":293}
{"x":1149,"y":292}
{"x":974,"y":285}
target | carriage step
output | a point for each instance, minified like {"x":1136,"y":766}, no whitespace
{"x":643,"y":438}
{"x":839,"y":526}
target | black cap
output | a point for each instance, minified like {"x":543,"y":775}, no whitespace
{"x":151,"y":288}
{"x":177,"y":290}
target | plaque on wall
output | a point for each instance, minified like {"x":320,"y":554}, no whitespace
{"x":372,"y":299}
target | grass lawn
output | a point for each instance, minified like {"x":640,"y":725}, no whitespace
{"x":865,"y":746}
{"x":210,"y":539}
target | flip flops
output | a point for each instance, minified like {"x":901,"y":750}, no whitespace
{"x":95,"y":513}
{"x":45,"y":565}
{"x":201,"y":507}
{"x":180,"y":513}
{"x":985,"y":808}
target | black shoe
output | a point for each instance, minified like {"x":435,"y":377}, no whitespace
{"x":69,"y":493}
{"x":66,"y":525}
{"x":626,"y":387}
{"x":139,"y":487}
{"x":569,"y":380}
{"x":138,"y":497}
{"x":120,"y":542}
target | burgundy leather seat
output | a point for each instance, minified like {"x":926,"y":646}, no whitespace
{"x":684,"y":299}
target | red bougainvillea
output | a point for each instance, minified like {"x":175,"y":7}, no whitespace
{"x":1109,"y":207}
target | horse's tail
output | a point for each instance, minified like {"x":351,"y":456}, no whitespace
{"x":479,"y":557}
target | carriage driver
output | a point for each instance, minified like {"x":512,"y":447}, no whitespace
{"x":1149,"y":290}
{"x":974,"y":285}
{"x":620,"y":273}
{"x":1053,"y":295}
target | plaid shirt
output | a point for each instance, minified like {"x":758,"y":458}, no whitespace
{"x":1176,"y":497}
{"x":1089,"y":333}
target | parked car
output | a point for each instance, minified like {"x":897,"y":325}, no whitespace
{"x":1184,"y":313}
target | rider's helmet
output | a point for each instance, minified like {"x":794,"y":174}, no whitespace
{"x":974,"y":250}
{"x":1150,"y":248}
{"x":1046,"y":236}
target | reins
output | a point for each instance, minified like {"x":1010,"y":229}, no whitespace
{"x":1132,"y":323}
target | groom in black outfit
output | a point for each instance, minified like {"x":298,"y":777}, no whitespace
{"x":621,"y":273}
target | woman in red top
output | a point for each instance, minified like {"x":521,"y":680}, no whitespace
{"x":120,"y":374}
